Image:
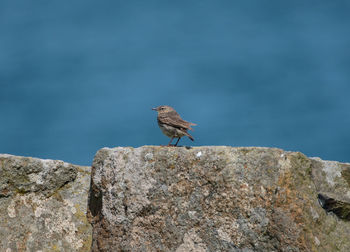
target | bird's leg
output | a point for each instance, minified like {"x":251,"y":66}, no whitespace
{"x":169,"y":144}
{"x":177,"y":141}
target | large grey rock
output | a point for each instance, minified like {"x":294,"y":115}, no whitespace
{"x":217,"y":199}
{"x":43,"y":205}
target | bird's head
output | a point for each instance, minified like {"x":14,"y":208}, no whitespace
{"x":163,"y":109}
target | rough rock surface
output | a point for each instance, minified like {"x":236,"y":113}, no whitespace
{"x":217,"y":199}
{"x":43,"y":205}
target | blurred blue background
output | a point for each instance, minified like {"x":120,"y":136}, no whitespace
{"x":76,"y":76}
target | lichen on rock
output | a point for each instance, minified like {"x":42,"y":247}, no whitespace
{"x":43,"y":205}
{"x":152,"y":198}
{"x":214,"y":198}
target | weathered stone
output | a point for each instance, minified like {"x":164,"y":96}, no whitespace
{"x":332,"y":181}
{"x":43,"y":205}
{"x":216,"y":199}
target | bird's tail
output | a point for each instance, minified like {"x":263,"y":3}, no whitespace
{"x":190,"y":137}
{"x":191,"y":124}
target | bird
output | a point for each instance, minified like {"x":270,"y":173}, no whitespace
{"x":171,"y":124}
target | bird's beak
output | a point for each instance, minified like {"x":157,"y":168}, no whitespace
{"x":154,"y":109}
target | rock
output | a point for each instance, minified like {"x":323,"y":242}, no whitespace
{"x":332,"y":181}
{"x":43,"y":205}
{"x":217,"y":199}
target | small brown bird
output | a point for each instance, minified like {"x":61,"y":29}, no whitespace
{"x":171,"y":124}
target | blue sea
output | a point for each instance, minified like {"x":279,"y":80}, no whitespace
{"x":76,"y":76}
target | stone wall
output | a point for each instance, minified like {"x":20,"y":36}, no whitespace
{"x":176,"y":199}
{"x":217,"y":199}
{"x":43,"y":205}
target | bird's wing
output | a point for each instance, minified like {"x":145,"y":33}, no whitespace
{"x":174,"y":119}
